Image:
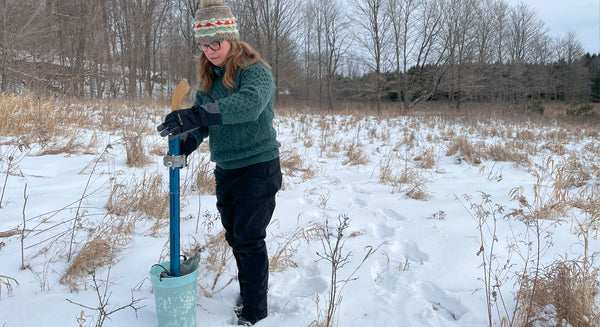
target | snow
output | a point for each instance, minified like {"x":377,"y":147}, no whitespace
{"x":424,"y":269}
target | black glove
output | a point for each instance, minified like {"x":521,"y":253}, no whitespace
{"x":187,"y":144}
{"x":185,"y":120}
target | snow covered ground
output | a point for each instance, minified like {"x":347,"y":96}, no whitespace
{"x":394,"y":178}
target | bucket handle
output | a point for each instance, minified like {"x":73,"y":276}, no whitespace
{"x":163,"y":274}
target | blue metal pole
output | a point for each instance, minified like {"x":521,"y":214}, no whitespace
{"x":174,"y":229}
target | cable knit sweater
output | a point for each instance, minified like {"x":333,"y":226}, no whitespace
{"x":247,"y":135}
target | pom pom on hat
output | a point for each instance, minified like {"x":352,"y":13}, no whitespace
{"x":214,"y":22}
{"x":211,"y":3}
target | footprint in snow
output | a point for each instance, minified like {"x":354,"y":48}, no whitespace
{"x":353,"y":188}
{"x":412,"y":251}
{"x":384,"y":231}
{"x":357,"y":203}
{"x":445,"y":304}
{"x":392,"y":214}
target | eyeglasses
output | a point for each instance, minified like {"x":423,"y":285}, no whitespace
{"x":214,"y":46}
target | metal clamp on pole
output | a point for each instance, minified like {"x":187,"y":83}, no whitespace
{"x":175,"y":161}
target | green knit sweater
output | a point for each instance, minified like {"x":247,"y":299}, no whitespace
{"x":247,"y":135}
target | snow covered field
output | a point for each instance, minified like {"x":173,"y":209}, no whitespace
{"x":410,"y":186}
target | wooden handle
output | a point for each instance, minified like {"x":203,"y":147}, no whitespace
{"x":180,"y":92}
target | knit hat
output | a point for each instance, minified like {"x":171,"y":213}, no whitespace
{"x":214,"y":22}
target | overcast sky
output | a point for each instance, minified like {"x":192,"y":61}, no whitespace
{"x":561,"y":16}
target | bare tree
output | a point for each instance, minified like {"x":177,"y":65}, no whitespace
{"x":500,"y":9}
{"x":6,"y":46}
{"x":138,"y":27}
{"x":121,"y":20}
{"x":524,"y":32}
{"x":174,"y":45}
{"x":420,"y":50}
{"x":524,"y":28}
{"x":100,"y":54}
{"x":270,"y":26}
{"x":570,"y":78}
{"x":332,"y":40}
{"x":315,"y":30}
{"x":496,"y":79}
{"x":402,"y":16}
{"x":459,"y":33}
{"x":568,"y":48}
{"x":80,"y":33}
{"x":310,"y":31}
{"x":27,"y":44}
{"x":371,"y":19}
{"x":484,"y":26}
{"x":484,"y":30}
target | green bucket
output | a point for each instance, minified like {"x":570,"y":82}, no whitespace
{"x":175,"y":297}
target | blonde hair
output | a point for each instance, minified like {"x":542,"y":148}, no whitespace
{"x":241,"y":55}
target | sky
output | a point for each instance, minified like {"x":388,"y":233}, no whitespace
{"x":560,"y":16}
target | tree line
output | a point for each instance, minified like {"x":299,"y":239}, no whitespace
{"x":321,"y":51}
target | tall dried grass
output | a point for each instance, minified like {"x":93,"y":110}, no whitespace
{"x":57,"y":126}
{"x":202,"y":175}
{"x":464,"y":150}
{"x":282,"y":257}
{"x":426,"y":160}
{"x":293,"y":164}
{"x":147,"y":198}
{"x":506,"y":151}
{"x":134,"y":146}
{"x":100,"y":250}
{"x":565,"y":293}
{"x":40,"y":117}
{"x":8,"y":283}
{"x":355,"y":155}
{"x":217,"y":261}
{"x":404,"y":178}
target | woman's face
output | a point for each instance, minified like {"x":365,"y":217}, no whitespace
{"x":216,"y":52}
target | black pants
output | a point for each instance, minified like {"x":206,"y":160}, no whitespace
{"x":246,"y":201}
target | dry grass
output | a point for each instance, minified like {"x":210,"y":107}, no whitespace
{"x":464,"y":150}
{"x":55,"y":127}
{"x":147,"y":198}
{"x":506,"y":152}
{"x":404,"y":178}
{"x":418,"y":191}
{"x":70,"y":145}
{"x":566,"y":293}
{"x":282,"y":257}
{"x":355,"y":155}
{"x":386,"y":173}
{"x":42,"y":118}
{"x":573,"y":173}
{"x":293,"y":164}
{"x":426,"y":160}
{"x":59,"y":125}
{"x":96,"y":253}
{"x":100,"y":250}
{"x":214,"y":273}
{"x":8,"y":283}
{"x":134,"y":146}
{"x":203,"y":179}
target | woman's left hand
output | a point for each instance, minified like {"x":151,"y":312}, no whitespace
{"x":186,"y":120}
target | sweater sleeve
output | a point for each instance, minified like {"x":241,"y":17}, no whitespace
{"x":256,"y":89}
{"x":201,"y":133}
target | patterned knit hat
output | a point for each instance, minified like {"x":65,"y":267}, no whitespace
{"x":214,"y":22}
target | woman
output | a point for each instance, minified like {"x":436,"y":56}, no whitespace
{"x":234,"y":107}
